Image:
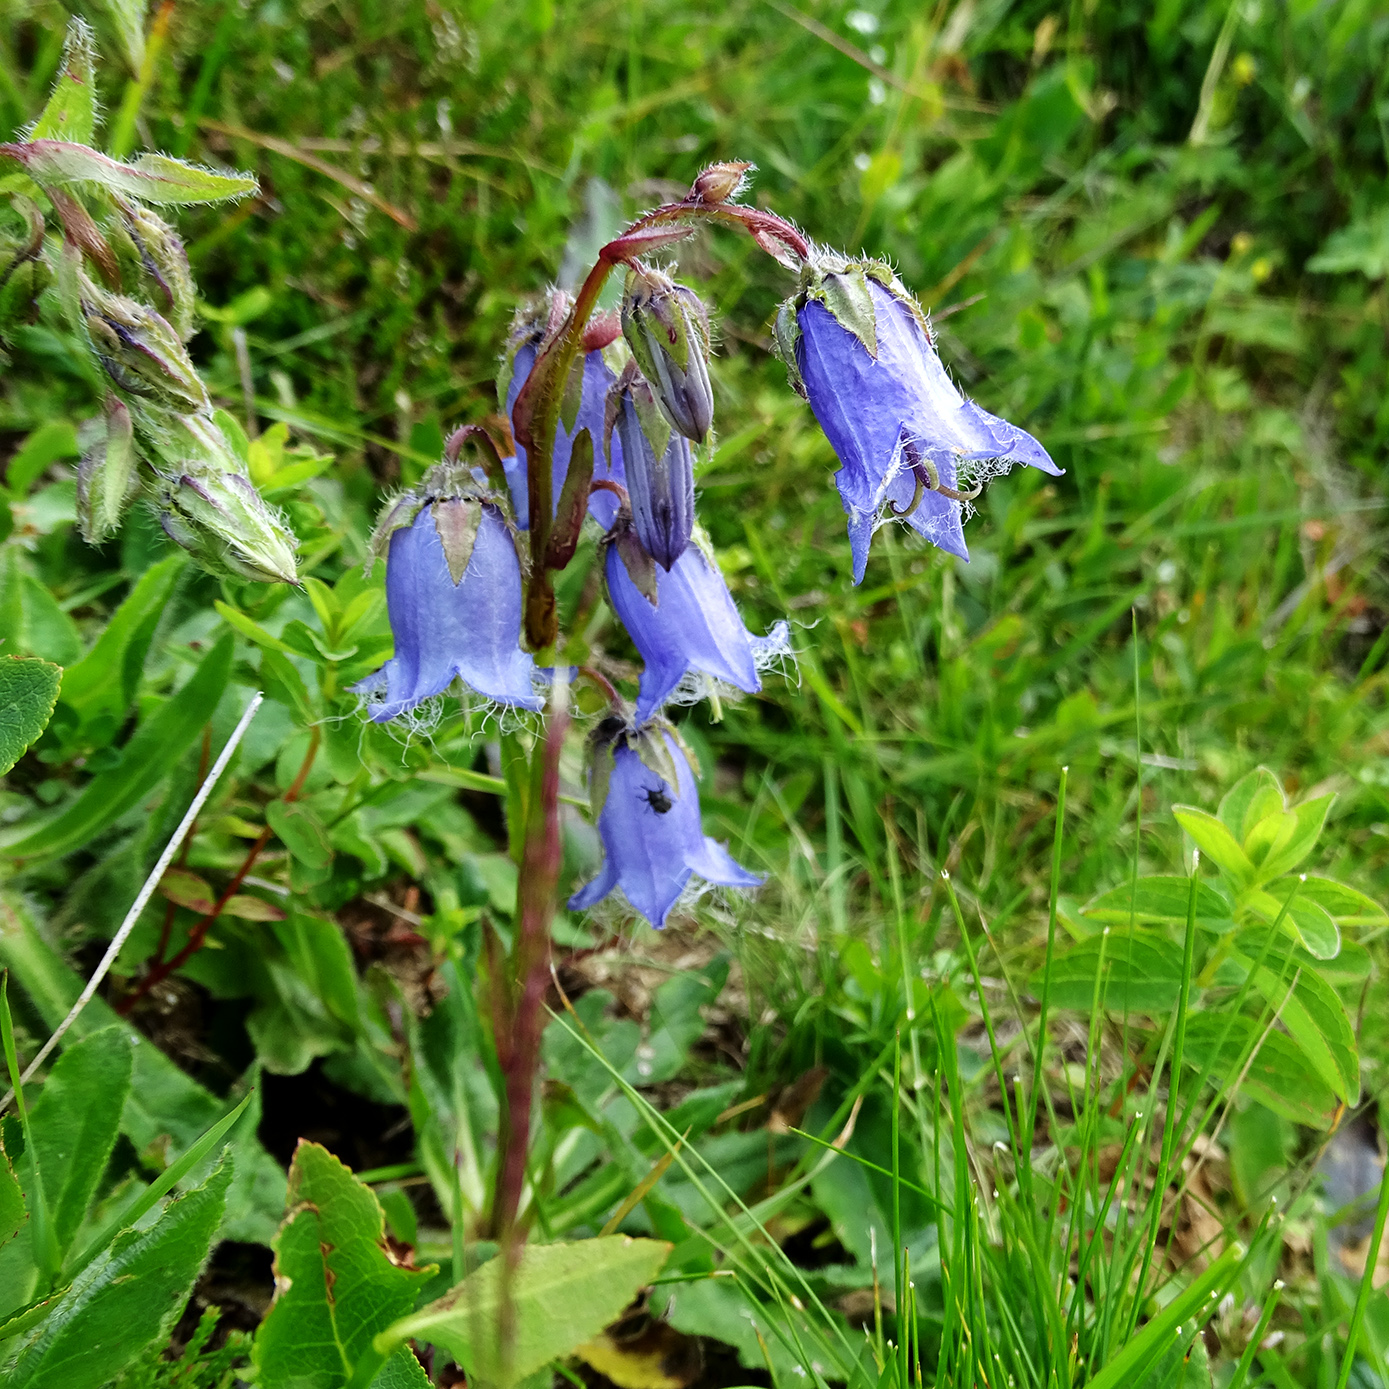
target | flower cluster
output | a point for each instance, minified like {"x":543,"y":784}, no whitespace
{"x":609,"y":413}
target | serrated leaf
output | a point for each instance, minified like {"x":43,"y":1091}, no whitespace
{"x":336,"y":1286}
{"x":1142,"y":973}
{"x":128,"y":1296}
{"x":70,"y":113}
{"x":1317,"y":1020}
{"x":1215,"y":842}
{"x":28,"y":692}
{"x":1279,"y":1076}
{"x":151,"y":753}
{"x":301,"y":832}
{"x":1249,"y":800}
{"x":1161,"y":898}
{"x":563,"y":1295}
{"x":158,"y":179}
{"x":1289,"y":851}
{"x":75,"y":1122}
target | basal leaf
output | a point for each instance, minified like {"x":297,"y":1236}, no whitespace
{"x":128,"y":1296}
{"x":336,"y":1286}
{"x":28,"y":692}
{"x":1143,"y":973}
{"x":151,"y":753}
{"x":1163,"y":899}
{"x":1279,"y":1076}
{"x":1317,"y":1020}
{"x":1215,"y":842}
{"x":1250,"y":799}
{"x":75,"y":1122}
{"x":564,"y":1294}
{"x":1290,"y":851}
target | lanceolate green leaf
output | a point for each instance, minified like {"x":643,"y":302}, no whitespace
{"x":1215,"y":842}
{"x":152,"y":178}
{"x":129,"y":1295}
{"x":28,"y":692}
{"x":1289,"y":851}
{"x":1317,"y":1020}
{"x":76,"y":1119}
{"x":12,"y":1210}
{"x":1342,"y":903}
{"x":150,"y":754}
{"x":563,"y":1293}
{"x":70,"y":113}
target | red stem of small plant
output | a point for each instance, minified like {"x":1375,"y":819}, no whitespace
{"x":198,"y":935}
{"x":604,"y":684}
{"x":172,"y":907}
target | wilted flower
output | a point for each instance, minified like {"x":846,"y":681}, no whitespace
{"x":667,"y":328}
{"x":607,"y":458}
{"x":692,"y":626}
{"x":141,"y":351}
{"x":647,"y":808}
{"x":659,"y":467}
{"x":857,"y":346}
{"x":453,"y":594}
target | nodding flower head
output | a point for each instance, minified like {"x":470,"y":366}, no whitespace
{"x":453,"y":595}
{"x":582,"y":408}
{"x":643,"y":797}
{"x":667,"y":328}
{"x":858,"y":347}
{"x":659,"y":467}
{"x":682,"y":620}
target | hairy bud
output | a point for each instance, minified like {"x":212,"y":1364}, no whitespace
{"x":718,"y":183}
{"x":155,"y":253}
{"x":225,"y":524}
{"x":140,"y":350}
{"x":659,"y":468}
{"x":667,"y":328}
{"x":106,"y":477}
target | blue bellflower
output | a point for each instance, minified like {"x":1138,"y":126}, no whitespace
{"x":693,"y":626}
{"x":653,"y":842}
{"x":607,"y":454}
{"x":659,"y":466}
{"x":470,"y":628}
{"x":859,"y":350}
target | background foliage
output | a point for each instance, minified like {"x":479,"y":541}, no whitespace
{"x":1157,"y":236}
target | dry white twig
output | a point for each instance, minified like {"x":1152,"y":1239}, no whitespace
{"x":145,"y":893}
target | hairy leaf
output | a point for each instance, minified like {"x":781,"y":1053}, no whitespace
{"x":28,"y":692}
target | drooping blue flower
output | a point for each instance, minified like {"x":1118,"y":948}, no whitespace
{"x":693,"y":625}
{"x":607,"y":454}
{"x":648,"y":820}
{"x":469,"y":627}
{"x":859,"y":350}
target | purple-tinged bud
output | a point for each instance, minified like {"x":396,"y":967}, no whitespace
{"x":155,"y":253}
{"x":658,"y":465}
{"x":141,"y":351}
{"x":226,"y":525}
{"x":667,"y":328}
{"x":646,"y":806}
{"x":719,"y":182}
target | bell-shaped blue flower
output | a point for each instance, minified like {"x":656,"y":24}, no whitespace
{"x":692,"y":626}
{"x":648,"y":819}
{"x":607,"y":454}
{"x":453,"y":594}
{"x":858,"y":348}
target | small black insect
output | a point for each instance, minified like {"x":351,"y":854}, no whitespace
{"x":656,"y":798}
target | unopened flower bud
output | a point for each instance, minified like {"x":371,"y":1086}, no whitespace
{"x":667,"y":328}
{"x":226,"y":525}
{"x":718,"y":183}
{"x":140,"y":350}
{"x":154,"y":251}
{"x":659,"y":468}
{"x":106,"y":477}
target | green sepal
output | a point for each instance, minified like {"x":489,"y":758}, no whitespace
{"x":786,"y":332}
{"x":573,"y":503}
{"x":641,"y":568}
{"x":106,"y":477}
{"x":650,"y":745}
{"x":456,"y":519}
{"x":847,"y":298}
